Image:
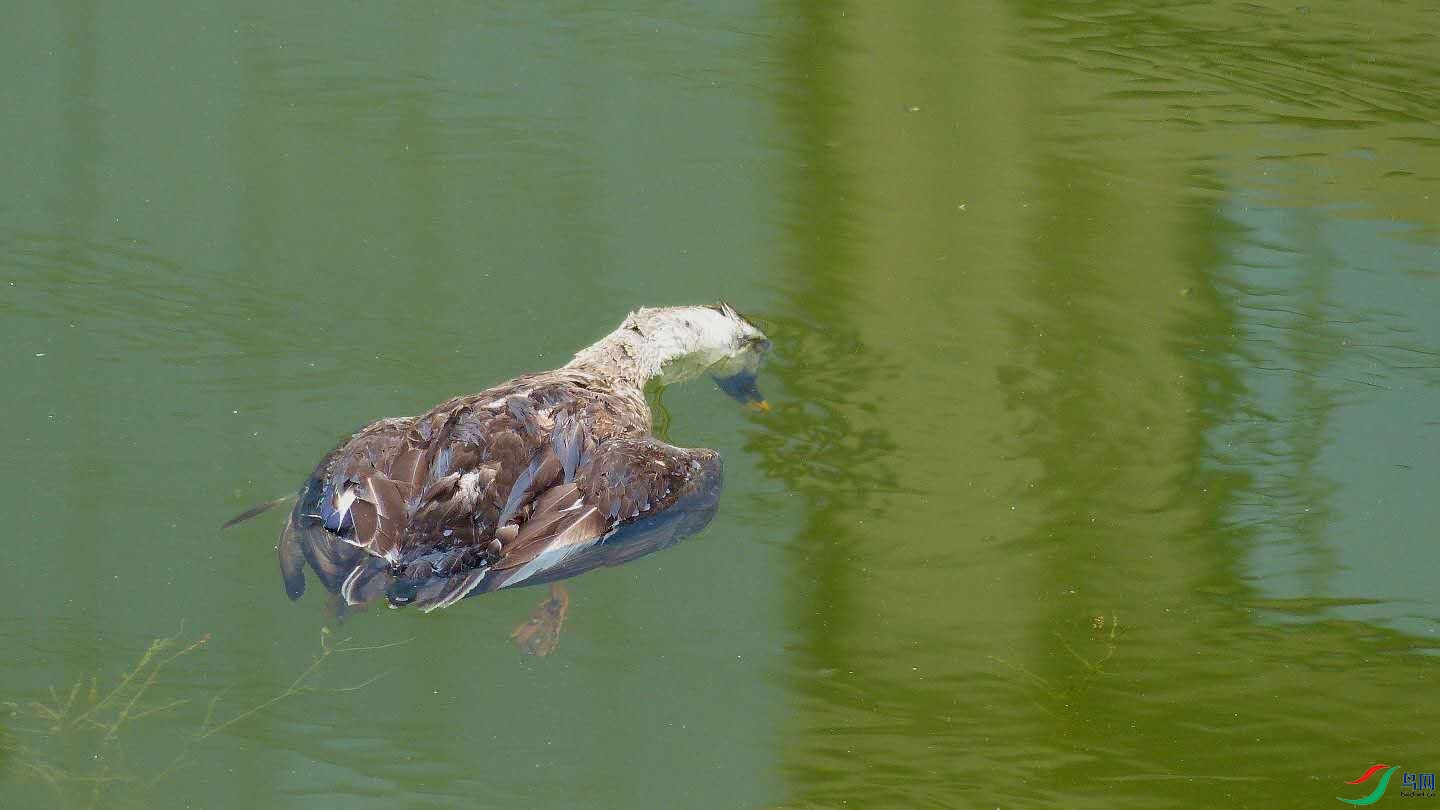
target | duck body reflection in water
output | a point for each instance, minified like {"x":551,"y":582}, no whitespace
{"x":535,"y":480}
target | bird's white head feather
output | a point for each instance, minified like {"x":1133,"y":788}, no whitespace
{"x":679,"y":343}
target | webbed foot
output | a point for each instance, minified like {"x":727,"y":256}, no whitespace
{"x":540,"y":634}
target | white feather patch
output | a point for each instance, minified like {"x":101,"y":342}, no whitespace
{"x":470,"y":486}
{"x":347,"y":589}
{"x":547,"y":559}
{"x":342,"y":504}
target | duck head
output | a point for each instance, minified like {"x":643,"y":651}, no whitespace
{"x":674,"y":344}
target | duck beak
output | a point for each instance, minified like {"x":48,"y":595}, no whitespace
{"x":741,"y":388}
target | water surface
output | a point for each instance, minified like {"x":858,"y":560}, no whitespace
{"x":1101,"y":471}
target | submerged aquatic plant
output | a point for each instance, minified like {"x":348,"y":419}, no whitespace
{"x":73,"y":740}
{"x":1105,"y":630}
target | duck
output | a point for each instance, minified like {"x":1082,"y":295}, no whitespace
{"x":531,"y":481}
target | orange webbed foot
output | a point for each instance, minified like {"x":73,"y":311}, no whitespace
{"x":540,"y":634}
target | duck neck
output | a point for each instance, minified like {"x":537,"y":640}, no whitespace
{"x":624,"y":357}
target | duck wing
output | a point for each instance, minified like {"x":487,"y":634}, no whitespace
{"x":626,"y":481}
{"x":561,"y":524}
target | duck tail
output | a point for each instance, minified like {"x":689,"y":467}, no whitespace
{"x":255,"y":510}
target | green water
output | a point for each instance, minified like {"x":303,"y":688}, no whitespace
{"x":1104,"y":459}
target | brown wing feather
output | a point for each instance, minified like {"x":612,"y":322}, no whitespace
{"x":627,"y":479}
